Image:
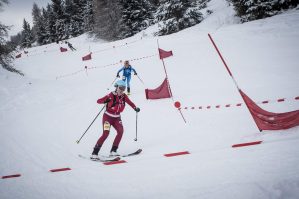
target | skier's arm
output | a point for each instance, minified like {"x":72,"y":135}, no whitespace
{"x":104,"y":99}
{"x":135,"y":73}
{"x":128,"y":101}
{"x":120,"y":71}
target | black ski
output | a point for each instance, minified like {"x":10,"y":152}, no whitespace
{"x":131,"y":154}
{"x":102,"y":158}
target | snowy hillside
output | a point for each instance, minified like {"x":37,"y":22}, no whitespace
{"x":45,"y":112}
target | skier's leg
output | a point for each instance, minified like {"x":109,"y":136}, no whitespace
{"x":117,"y":124}
{"x":106,"y":130}
{"x":128,"y":83}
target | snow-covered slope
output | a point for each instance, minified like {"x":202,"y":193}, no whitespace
{"x":42,"y":116}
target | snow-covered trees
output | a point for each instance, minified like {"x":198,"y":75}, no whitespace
{"x":111,"y":19}
{"x":62,"y":19}
{"x":118,"y":19}
{"x":136,"y":16}
{"x":27,"y":37}
{"x":250,"y":10}
{"x":175,"y":15}
{"x":107,"y":14}
{"x":6,"y":47}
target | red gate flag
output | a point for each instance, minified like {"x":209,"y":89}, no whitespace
{"x":270,"y":121}
{"x":164,"y":54}
{"x":63,"y":49}
{"x":161,"y":92}
{"x":87,"y":57}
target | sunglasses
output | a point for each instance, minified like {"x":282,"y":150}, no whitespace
{"x":122,"y":88}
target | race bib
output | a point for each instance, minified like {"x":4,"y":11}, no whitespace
{"x":107,"y":126}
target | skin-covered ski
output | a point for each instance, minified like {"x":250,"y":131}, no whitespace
{"x":102,"y":159}
{"x":129,"y":154}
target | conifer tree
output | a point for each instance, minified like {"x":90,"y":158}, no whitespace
{"x":175,"y":15}
{"x":5,"y":48}
{"x":27,"y":38}
{"x":58,"y":14}
{"x":107,"y":15}
{"x":50,"y":25}
{"x":136,"y":16}
{"x":39,"y":26}
{"x":36,"y":15}
{"x":42,"y":28}
{"x":250,"y":10}
{"x":76,"y":26}
{"x":88,"y":16}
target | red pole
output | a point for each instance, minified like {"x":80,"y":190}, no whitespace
{"x":169,"y":84}
{"x":230,"y":74}
{"x":223,"y":61}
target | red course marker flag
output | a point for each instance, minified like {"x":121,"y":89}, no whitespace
{"x":164,"y":54}
{"x":63,"y":49}
{"x":58,"y":170}
{"x":176,"y":154}
{"x":247,"y":144}
{"x":87,"y":57}
{"x":115,"y":162}
{"x":11,"y":176}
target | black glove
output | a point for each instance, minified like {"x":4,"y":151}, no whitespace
{"x":117,"y":75}
{"x":137,"y":109}
{"x":107,"y":100}
{"x":135,"y":73}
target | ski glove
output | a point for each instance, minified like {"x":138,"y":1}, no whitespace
{"x":135,"y":73}
{"x":137,"y":109}
{"x":107,"y":100}
{"x":117,"y":75}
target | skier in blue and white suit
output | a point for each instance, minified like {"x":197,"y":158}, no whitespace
{"x":127,"y":70}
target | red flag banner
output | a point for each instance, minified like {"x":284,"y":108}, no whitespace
{"x":164,"y":54}
{"x":87,"y":57}
{"x":270,"y":121}
{"x":161,"y":92}
{"x":63,"y":49}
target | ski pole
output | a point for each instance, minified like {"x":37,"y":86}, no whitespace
{"x":136,"y":126}
{"x":112,"y":83}
{"x":140,"y":80}
{"x":90,"y":125}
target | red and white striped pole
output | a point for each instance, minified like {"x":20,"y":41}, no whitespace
{"x":231,"y":75}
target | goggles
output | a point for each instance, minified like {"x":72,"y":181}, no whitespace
{"x":122,"y":88}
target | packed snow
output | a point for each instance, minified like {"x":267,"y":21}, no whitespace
{"x":42,"y":116}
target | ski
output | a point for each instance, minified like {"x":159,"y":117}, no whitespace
{"x":102,"y":159}
{"x":132,"y":154}
{"x":129,"y":154}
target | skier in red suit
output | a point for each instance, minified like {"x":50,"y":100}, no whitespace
{"x":115,"y":104}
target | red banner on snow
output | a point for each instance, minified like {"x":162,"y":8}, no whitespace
{"x":164,"y":54}
{"x":270,"y":121}
{"x":161,"y":92}
{"x":63,"y":49}
{"x":87,"y":57}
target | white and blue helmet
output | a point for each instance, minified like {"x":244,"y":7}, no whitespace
{"x":120,"y":83}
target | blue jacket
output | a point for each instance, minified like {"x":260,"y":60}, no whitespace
{"x":127,"y":71}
